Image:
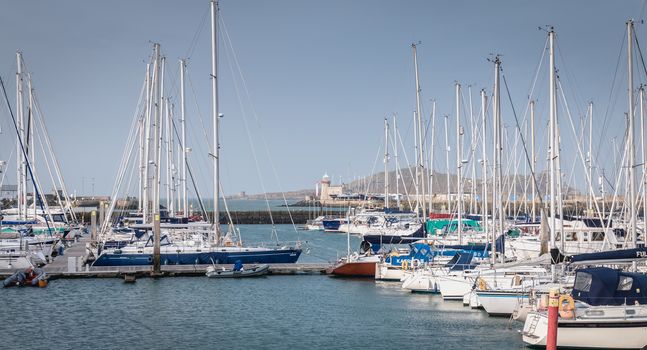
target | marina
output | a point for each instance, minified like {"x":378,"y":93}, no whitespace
{"x":501,"y":210}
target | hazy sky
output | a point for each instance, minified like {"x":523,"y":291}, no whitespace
{"x":321,"y":76}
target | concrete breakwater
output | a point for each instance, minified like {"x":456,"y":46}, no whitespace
{"x":299,"y":217}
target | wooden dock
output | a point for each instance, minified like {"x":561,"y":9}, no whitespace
{"x":70,"y":265}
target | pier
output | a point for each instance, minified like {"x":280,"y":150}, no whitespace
{"x":70,"y":265}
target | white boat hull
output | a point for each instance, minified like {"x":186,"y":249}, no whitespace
{"x":604,"y":334}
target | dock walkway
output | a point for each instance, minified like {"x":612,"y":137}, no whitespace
{"x":70,"y":265}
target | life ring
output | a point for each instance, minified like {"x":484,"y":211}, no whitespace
{"x":566,"y":310}
{"x":405,"y":264}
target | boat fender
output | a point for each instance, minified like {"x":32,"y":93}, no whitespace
{"x":566,"y":310}
{"x":405,"y":264}
{"x":482,"y":284}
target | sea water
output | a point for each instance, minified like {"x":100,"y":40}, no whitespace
{"x":272,"y":312}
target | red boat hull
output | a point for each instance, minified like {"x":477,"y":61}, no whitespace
{"x":354,"y":269}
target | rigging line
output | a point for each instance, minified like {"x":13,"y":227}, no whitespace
{"x":251,"y":143}
{"x":197,"y":106}
{"x":233,"y":57}
{"x":197,"y":33}
{"x":125,"y":157}
{"x":569,"y":76}
{"x":523,"y":141}
{"x":4,"y":173}
{"x":608,"y":109}
{"x":406,"y":158}
{"x":39,"y":138}
{"x":188,"y":167}
{"x":640,"y":54}
{"x":57,"y":167}
{"x":24,"y":153}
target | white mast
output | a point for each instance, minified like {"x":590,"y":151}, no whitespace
{"x":421,"y":152}
{"x":642,"y":147}
{"x":397,"y":165}
{"x":431,"y":156}
{"x":214,"y":101}
{"x":20,"y":159}
{"x":170,"y":167}
{"x":157,"y":120}
{"x":533,"y":160}
{"x":159,"y":110}
{"x":142,"y":138}
{"x":589,"y":206}
{"x":147,"y":135}
{"x":459,"y":164}
{"x":31,"y":150}
{"x":449,"y":198}
{"x":498,"y":185}
{"x":484,"y":164}
{"x":185,"y":205}
{"x":630,"y":137}
{"x":472,"y":153}
{"x":552,"y":139}
{"x":386,"y":163}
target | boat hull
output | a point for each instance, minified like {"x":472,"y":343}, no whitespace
{"x":354,"y":269}
{"x":284,"y":256}
{"x":498,"y":303}
{"x":588,"y":334}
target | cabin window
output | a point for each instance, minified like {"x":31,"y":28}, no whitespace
{"x":598,"y":236}
{"x":625,"y":283}
{"x":583,"y":282}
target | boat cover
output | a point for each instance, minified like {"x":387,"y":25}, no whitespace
{"x":606,"y":286}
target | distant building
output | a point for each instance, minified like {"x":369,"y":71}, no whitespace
{"x":329,"y":192}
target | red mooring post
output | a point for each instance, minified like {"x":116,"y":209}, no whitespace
{"x":553,"y":313}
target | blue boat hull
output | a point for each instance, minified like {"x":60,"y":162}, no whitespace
{"x":287,"y":256}
{"x":332,"y":225}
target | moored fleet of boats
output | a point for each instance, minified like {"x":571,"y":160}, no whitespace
{"x":486,"y":260}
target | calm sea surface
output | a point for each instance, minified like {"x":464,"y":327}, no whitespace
{"x":273,"y":312}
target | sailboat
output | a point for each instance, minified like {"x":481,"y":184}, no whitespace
{"x":185,"y":243}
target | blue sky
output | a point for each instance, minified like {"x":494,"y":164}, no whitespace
{"x":321,"y":75}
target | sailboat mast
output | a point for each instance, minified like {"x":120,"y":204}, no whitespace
{"x":641,"y":95}
{"x":484,"y":190}
{"x":214,"y":101}
{"x":449,"y":198}
{"x":160,"y":110}
{"x":157,"y":119}
{"x":20,"y":161}
{"x":459,"y":164}
{"x":552,"y":137}
{"x":386,"y":163}
{"x":498,"y":183}
{"x":147,"y":141}
{"x":421,"y":153}
{"x":630,"y":137}
{"x":589,"y":206}
{"x":31,"y":150}
{"x":533,"y":160}
{"x":472,"y":152}
{"x":184,"y":146}
{"x":431,"y":155}
{"x":142,"y":123}
{"x":397,"y":165}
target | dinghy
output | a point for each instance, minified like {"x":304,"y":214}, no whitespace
{"x":238,"y":271}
